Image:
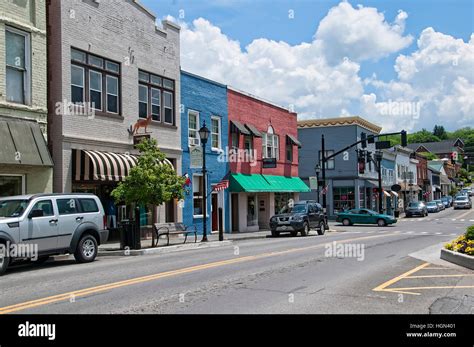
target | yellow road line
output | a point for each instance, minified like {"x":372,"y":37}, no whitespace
{"x":434,"y":287}
{"x":114,"y":285}
{"x":463,"y":215}
{"x":384,"y":285}
{"x":438,"y":268}
{"x":435,"y":276}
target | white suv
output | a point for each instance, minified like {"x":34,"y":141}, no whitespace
{"x":38,"y":226}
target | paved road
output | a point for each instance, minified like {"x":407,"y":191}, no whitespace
{"x":273,"y":275}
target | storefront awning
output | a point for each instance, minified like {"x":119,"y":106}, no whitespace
{"x":406,"y":187}
{"x":253,"y":130}
{"x":394,"y":193}
{"x":256,"y":183}
{"x":22,"y":143}
{"x":386,"y":193}
{"x":88,"y":165}
{"x":293,"y":140}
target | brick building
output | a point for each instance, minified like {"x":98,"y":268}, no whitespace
{"x":25,"y":163}
{"x":111,"y":66}
{"x":263,"y":160}
{"x":205,"y":101}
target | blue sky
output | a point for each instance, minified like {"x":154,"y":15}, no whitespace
{"x":246,"y":21}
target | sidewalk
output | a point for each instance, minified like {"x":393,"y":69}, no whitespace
{"x":176,"y":244}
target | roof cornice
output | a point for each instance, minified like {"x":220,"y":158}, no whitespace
{"x":339,"y":121}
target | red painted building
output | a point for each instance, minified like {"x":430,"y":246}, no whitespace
{"x":263,"y":157}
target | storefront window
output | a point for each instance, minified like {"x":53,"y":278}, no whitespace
{"x":344,"y":198}
{"x":11,"y":185}
{"x":251,"y":211}
{"x":281,"y":200}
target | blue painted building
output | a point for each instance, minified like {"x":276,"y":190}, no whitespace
{"x":204,"y":101}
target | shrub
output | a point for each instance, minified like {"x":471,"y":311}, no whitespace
{"x":470,"y":233}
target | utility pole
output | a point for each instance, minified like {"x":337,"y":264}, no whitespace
{"x":323,"y":163}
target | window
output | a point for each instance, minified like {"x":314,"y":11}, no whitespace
{"x":66,"y":206}
{"x":248,"y":144}
{"x":88,"y":205}
{"x":11,"y":185}
{"x":95,"y":80}
{"x":215,"y":132}
{"x":234,"y":139}
{"x":270,"y":147}
{"x":344,"y":198}
{"x":329,"y":163}
{"x":289,"y":150}
{"x":193,"y":128}
{"x":18,"y":73}
{"x":46,"y":206}
{"x":156,"y":97}
{"x":197,"y":195}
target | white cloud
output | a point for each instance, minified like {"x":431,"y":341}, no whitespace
{"x":321,"y":78}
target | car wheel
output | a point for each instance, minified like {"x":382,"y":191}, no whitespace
{"x":86,"y":250}
{"x":4,"y":262}
{"x":322,"y":228}
{"x":346,"y":222}
{"x":275,"y":233}
{"x":381,"y":223}
{"x":305,"y":230}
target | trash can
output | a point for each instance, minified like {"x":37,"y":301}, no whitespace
{"x":129,"y":235}
{"x":396,"y":213}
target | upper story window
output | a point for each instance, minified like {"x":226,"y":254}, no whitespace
{"x":270,"y":144}
{"x":193,"y":128}
{"x":18,"y":71}
{"x":248,"y":144}
{"x":156,"y":98}
{"x":330,"y":164}
{"x":216,"y":132}
{"x":96,"y":81}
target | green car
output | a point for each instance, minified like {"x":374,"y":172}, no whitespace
{"x":364,"y":216}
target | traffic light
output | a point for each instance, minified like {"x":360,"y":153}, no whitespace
{"x":361,"y":161}
{"x":368,"y":156}
{"x":403,"y":136}
{"x":363,"y":137}
{"x":371,"y":139}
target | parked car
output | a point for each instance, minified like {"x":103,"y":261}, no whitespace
{"x":462,"y":202}
{"x":440,"y":204}
{"x":52,"y":224}
{"x":416,"y":208}
{"x":468,"y":191}
{"x":300,"y":217}
{"x":432,"y":207}
{"x":364,"y":216}
{"x":445,"y":202}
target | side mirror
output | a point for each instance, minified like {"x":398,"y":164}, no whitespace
{"x":36,"y":213}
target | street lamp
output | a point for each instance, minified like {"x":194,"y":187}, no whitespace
{"x":378,"y":158}
{"x":204,"y":136}
{"x":317,"y":170}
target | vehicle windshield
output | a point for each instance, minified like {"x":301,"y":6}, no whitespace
{"x":298,"y":208}
{"x":414,"y":204}
{"x":462,"y":198}
{"x":431,"y":203}
{"x":12,"y":208}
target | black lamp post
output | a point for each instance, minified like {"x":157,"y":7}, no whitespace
{"x":204,"y":135}
{"x":317,"y":170}
{"x":378,"y":159}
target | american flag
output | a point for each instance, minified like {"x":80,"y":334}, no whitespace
{"x":222,"y":185}
{"x":324,"y":190}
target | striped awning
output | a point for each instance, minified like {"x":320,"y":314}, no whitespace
{"x":89,"y":165}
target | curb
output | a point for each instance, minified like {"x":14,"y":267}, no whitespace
{"x":163,"y":250}
{"x":457,"y":258}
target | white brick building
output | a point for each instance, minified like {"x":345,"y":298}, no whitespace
{"x":101,"y":52}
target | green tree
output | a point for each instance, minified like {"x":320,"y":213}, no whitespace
{"x":422,"y":136}
{"x":439,"y":132}
{"x":429,"y":155}
{"x":150,"y":182}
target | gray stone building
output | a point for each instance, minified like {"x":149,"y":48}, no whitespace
{"x":113,"y":71}
{"x":346,"y":187}
{"x":25,"y":163}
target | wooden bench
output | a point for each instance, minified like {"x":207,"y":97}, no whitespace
{"x":168,"y":229}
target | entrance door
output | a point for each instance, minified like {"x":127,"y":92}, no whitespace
{"x":235,"y":212}
{"x":215,"y":212}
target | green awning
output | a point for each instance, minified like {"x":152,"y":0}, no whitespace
{"x":256,"y":183}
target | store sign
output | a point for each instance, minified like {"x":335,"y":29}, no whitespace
{"x":269,"y":163}
{"x":196,"y":157}
{"x":313,"y":183}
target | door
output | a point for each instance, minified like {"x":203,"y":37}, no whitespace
{"x":235,"y":212}
{"x":41,"y":231}
{"x":215,"y":212}
{"x":69,"y":219}
{"x":313,"y":215}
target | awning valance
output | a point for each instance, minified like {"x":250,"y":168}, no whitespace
{"x":294,"y":140}
{"x":406,"y":187}
{"x":90,"y":165}
{"x":256,"y":183}
{"x":394,"y":193}
{"x":22,"y":143}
